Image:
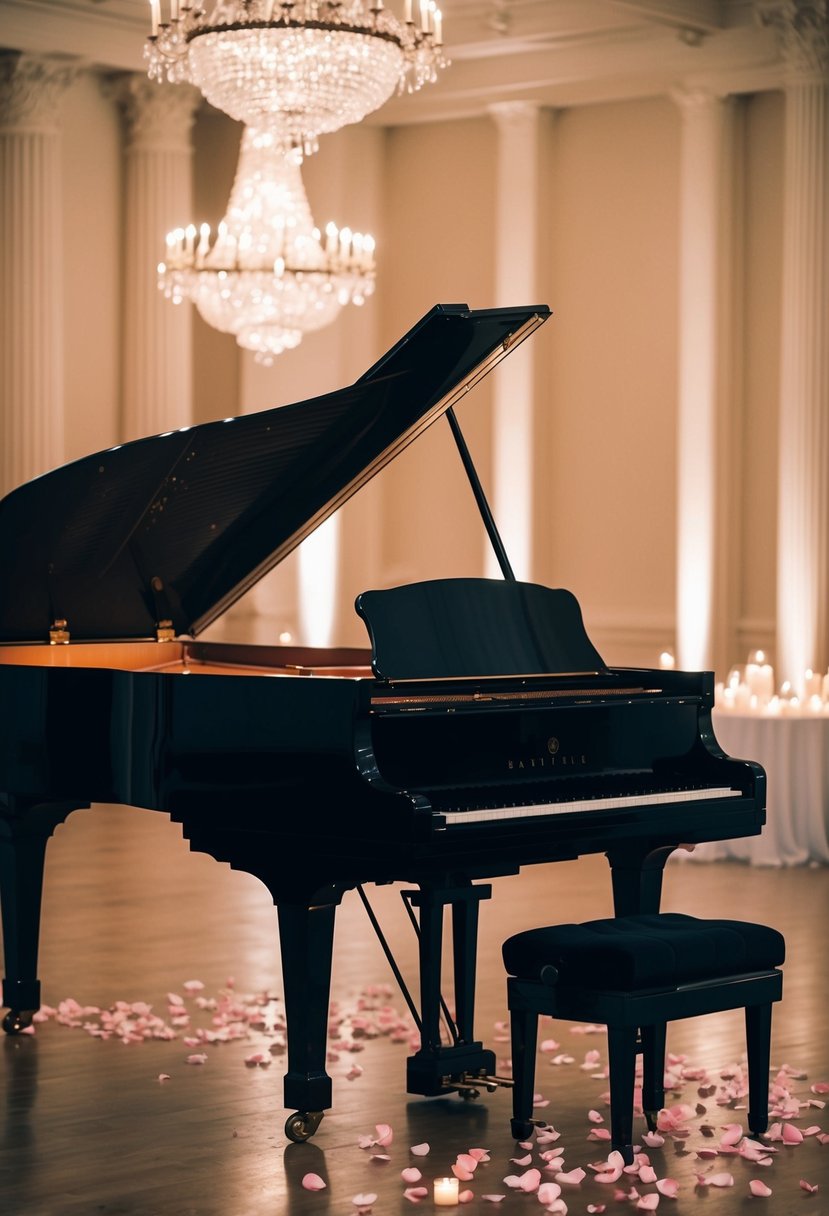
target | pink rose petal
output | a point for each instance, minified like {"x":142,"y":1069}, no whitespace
{"x":598,"y":1133}
{"x":529,"y":1181}
{"x":667,"y":1187}
{"x":198,"y":1057}
{"x":733,"y":1134}
{"x":414,"y":1194}
{"x":596,"y":1208}
{"x":419,"y":1150}
{"x":384,"y":1135}
{"x":493,"y":1198}
{"x":313,"y":1182}
{"x":571,"y":1176}
{"x":759,"y":1188}
{"x":720,"y":1180}
{"x":648,"y":1203}
{"x":807,"y":1186}
{"x":467,"y":1162}
{"x":609,"y":1175}
{"x":461,"y":1173}
{"x":466,"y":1196}
{"x":163,"y":1076}
{"x":412,"y":1174}
{"x":647,"y":1174}
{"x":653,"y":1139}
{"x":558,"y":1206}
{"x":792,"y":1134}
{"x":820,"y":1087}
{"x":548,"y":1191}
{"x":364,"y":1202}
{"x":595,"y":1117}
{"x":522,"y":1161}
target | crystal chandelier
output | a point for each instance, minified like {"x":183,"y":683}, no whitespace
{"x":300,"y":68}
{"x":269,"y":276}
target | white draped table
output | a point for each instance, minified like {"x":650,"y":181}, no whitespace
{"x":794,"y":751}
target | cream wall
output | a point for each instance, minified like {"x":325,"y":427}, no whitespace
{"x":606,"y":364}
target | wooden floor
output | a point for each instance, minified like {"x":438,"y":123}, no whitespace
{"x":130,"y":915}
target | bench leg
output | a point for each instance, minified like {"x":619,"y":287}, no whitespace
{"x":621,"y":1046}
{"x":524,"y":1034}
{"x":758,"y":1049}
{"x":653,"y":1071}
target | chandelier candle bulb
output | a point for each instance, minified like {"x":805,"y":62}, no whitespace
{"x":446,"y":1192}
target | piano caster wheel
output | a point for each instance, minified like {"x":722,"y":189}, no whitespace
{"x":17,"y":1020}
{"x":468,"y":1093}
{"x":651,"y":1117}
{"x":302,"y":1125}
{"x":521,"y":1129}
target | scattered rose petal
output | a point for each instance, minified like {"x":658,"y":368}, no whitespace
{"x":792,"y":1134}
{"x":733,"y":1134}
{"x":548,"y":1192}
{"x":198,"y":1057}
{"x":596,"y":1208}
{"x":462,"y":1174}
{"x":647,"y":1174}
{"x":820,"y":1087}
{"x":493,"y":1198}
{"x":466,"y":1196}
{"x":558,"y":1206}
{"x":522,"y":1161}
{"x":716,"y":1179}
{"x":379,"y":1157}
{"x":807,"y":1186}
{"x":467,"y":1162}
{"x":529,"y":1181}
{"x":598,"y":1133}
{"x":668,"y":1187}
{"x":419,"y":1150}
{"x":313,"y":1182}
{"x":164,"y":1076}
{"x":364,"y":1202}
{"x":595,"y":1117}
{"x":512,"y":1181}
{"x":384,"y":1135}
{"x":480,"y":1154}
{"x":414,"y":1194}
{"x":759,"y":1188}
{"x":653,"y":1139}
{"x":811,"y":1131}
{"x":412,"y":1174}
{"x":648,"y":1203}
{"x":572,"y":1176}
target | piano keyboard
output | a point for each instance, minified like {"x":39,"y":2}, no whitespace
{"x":633,"y":801}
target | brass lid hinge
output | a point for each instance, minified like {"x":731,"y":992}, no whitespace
{"x":164,"y":632}
{"x":58,"y":634}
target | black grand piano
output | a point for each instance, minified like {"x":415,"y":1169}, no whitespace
{"x":482,"y":732}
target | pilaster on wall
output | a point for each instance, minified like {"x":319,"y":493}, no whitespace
{"x":516,"y":257}
{"x":31,"y":267}
{"x":803,"y":470}
{"x":701,"y":354}
{"x":157,"y":358}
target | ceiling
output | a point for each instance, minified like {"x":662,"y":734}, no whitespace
{"x":554,"y":52}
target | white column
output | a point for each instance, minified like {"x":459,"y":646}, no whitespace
{"x":516,"y":256}
{"x":157,"y":356}
{"x":31,"y":267}
{"x":703,"y":123}
{"x":803,"y":470}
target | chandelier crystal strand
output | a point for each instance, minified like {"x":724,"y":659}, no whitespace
{"x":270,"y":276}
{"x":300,"y":68}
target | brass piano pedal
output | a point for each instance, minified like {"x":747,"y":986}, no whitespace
{"x":471,"y":1084}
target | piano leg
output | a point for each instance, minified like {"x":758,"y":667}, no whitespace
{"x":25,"y":830}
{"x":636,"y":871}
{"x":306,"y":936}
{"x":437,"y":1068}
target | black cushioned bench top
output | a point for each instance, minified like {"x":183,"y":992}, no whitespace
{"x":655,"y":951}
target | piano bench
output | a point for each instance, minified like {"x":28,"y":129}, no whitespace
{"x":636,"y":973}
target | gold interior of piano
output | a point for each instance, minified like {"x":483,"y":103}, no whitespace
{"x":193,"y":658}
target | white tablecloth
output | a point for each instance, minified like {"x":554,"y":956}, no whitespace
{"x":794,"y":751}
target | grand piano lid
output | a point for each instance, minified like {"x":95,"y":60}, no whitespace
{"x":176,"y":527}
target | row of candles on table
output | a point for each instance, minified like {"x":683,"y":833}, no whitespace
{"x":751,"y":689}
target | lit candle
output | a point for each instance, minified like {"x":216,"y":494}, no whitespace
{"x":155,"y":15}
{"x":446,"y":1192}
{"x":438,"y":16}
{"x":666,"y":660}
{"x":408,"y":17}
